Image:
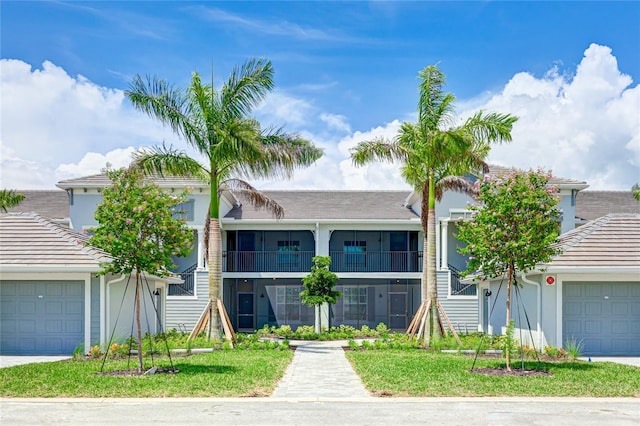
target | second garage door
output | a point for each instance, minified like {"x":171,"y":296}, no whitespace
{"x":604,"y":316}
{"x":41,"y":317}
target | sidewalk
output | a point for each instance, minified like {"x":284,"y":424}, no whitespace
{"x":320,"y":370}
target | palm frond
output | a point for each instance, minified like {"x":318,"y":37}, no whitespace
{"x":457,"y":184}
{"x":378,"y":149}
{"x":246,"y":87}
{"x":282,"y":154}
{"x":157,"y":99}
{"x":434,"y":105}
{"x":9,"y":198}
{"x":167,"y":161}
{"x":255,"y":197}
{"x":491,"y":127}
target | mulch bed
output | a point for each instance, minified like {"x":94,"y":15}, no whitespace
{"x":513,"y":372}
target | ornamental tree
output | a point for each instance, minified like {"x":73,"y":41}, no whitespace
{"x":319,"y":286}
{"x":514,"y":228}
{"x":138,"y":229}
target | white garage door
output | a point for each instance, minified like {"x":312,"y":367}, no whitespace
{"x":604,"y":316}
{"x":41,"y":317}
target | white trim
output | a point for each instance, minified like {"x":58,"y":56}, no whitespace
{"x":592,"y":270}
{"x":311,"y":222}
{"x":524,"y":278}
{"x":39,"y":268}
{"x":87,"y":313}
{"x":103,"y":310}
{"x":559,"y":318}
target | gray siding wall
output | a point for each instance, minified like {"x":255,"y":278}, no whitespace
{"x":83,"y":209}
{"x":95,"y":310}
{"x":462,"y":312}
{"x":185,"y":311}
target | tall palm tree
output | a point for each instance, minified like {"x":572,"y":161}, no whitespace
{"x":435,"y":154}
{"x":216,"y":124}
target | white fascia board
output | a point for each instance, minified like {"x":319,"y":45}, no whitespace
{"x":258,"y":275}
{"x":380,"y":275}
{"x":591,"y":270}
{"x":49,"y":268}
{"x":578,"y":186}
{"x":312,"y":222}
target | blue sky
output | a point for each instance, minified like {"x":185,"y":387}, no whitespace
{"x":344,"y":72}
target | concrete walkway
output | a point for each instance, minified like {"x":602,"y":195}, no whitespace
{"x":320,"y":370}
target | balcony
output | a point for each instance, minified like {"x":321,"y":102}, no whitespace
{"x":376,"y":261}
{"x":267,"y":261}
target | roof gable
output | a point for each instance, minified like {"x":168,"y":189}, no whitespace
{"x":610,"y":241}
{"x":330,"y":205}
{"x":29,"y":239}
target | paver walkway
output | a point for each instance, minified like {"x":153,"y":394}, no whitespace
{"x":320,"y":370}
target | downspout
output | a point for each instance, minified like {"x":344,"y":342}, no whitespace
{"x":108,"y":301}
{"x":103,"y":311}
{"x":539,"y":307}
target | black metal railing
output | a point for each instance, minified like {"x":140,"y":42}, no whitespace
{"x":267,"y":261}
{"x":186,"y":288}
{"x":376,"y":261}
{"x":459,"y":288}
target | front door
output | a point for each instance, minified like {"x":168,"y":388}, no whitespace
{"x":398,"y":311}
{"x":245,"y":312}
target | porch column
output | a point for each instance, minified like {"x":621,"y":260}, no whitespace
{"x":445,"y":241}
{"x":200,"y":246}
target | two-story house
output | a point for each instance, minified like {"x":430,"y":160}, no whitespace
{"x":374,"y":239}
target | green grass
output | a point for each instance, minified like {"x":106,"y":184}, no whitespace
{"x":224,"y":373}
{"x":425,"y":373}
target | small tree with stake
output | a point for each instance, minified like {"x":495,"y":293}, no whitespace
{"x":138,"y":229}
{"x":513,"y":228}
{"x":319,"y":286}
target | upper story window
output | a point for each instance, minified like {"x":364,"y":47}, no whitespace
{"x":184,"y":211}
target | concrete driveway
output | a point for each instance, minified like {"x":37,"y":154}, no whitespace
{"x":634,"y":361}
{"x":12,"y":360}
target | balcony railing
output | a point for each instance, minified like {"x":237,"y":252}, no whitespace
{"x":186,"y":287}
{"x":376,"y":261}
{"x":459,"y":288}
{"x":267,"y":261}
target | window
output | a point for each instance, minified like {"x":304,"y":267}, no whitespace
{"x":288,"y":253}
{"x":184,"y":211}
{"x":288,"y":303}
{"x":355,"y":303}
{"x":355,"y":253}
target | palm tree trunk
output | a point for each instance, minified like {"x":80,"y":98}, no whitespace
{"x":429,"y":272}
{"x":138,"y":321}
{"x":215,"y":277}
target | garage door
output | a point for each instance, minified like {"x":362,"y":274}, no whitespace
{"x":41,"y":317}
{"x":604,"y":316}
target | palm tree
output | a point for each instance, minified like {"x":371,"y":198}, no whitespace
{"x":434,"y":155}
{"x":215,"y":123}
{"x":9,"y":198}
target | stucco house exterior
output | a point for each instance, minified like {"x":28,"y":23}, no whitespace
{"x":52,"y":301}
{"x":590,"y":293}
{"x":374,"y":238}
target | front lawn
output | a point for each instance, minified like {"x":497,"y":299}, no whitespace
{"x":425,"y":373}
{"x":222,"y":373}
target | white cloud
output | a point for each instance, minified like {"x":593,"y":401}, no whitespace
{"x":51,"y":120}
{"x":93,"y":161}
{"x":584,"y":127}
{"x":280,"y":108}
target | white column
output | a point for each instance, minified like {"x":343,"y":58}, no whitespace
{"x":200,"y":246}
{"x":445,"y":241}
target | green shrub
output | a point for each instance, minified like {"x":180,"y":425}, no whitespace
{"x":574,"y":348}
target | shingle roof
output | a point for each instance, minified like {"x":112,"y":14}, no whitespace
{"x":594,"y":204}
{"x":495,"y":170}
{"x":102,"y":180}
{"x":29,"y":239}
{"x":320,"y":205}
{"x":53,"y":204}
{"x":610,"y":241}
